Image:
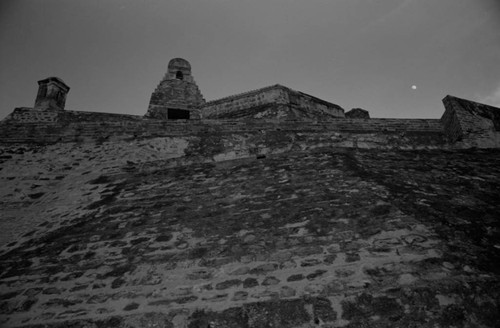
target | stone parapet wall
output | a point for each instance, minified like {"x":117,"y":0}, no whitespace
{"x":270,"y":95}
{"x":81,"y":116}
{"x":242,"y":94}
{"x":315,"y":107}
{"x":30,"y":115}
{"x":271,"y":102}
{"x":471,"y":124}
{"x":241,"y":139}
{"x":185,"y":127}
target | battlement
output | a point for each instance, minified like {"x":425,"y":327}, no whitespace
{"x":178,"y":108}
{"x":460,"y":127}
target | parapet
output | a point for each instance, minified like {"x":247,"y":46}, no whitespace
{"x":464,"y":124}
{"x":471,"y":124}
{"x":52,"y":93}
{"x":275,"y":102}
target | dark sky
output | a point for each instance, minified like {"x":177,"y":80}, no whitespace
{"x":354,"y":53}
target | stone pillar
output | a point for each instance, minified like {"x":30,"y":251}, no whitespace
{"x":52,"y":93}
{"x":177,"y":96}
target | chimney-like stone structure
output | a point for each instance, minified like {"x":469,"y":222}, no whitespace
{"x":52,"y":93}
{"x":177,"y":96}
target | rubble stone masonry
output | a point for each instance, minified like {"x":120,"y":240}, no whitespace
{"x":145,"y":233}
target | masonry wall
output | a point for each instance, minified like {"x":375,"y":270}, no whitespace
{"x":132,"y":222}
{"x":175,"y":94}
{"x":471,"y":124}
{"x":229,"y":106}
{"x":451,"y":124}
{"x":29,"y":115}
{"x":274,"y":102}
{"x":314,"y":107}
{"x":353,"y":133}
{"x":123,"y":234}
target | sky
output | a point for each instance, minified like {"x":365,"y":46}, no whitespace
{"x":394,"y":58}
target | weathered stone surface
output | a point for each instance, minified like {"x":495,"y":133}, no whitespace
{"x":357,"y":113}
{"x":315,"y":274}
{"x":390,"y":237}
{"x":96,"y":299}
{"x":273,"y":102}
{"x":240,"y":296}
{"x":240,"y":271}
{"x":52,"y":94}
{"x":215,"y":298}
{"x":471,"y":124}
{"x":352,"y":257}
{"x":270,"y":281}
{"x":250,"y":282}
{"x":343,"y":273}
{"x":200,"y":274}
{"x":177,"y":92}
{"x":287,"y":291}
{"x":118,"y":282}
{"x":264,"y":268}
{"x":227,"y":139}
{"x":228,"y":284}
{"x":310,"y":262}
{"x":131,"y":306}
{"x":263,"y":314}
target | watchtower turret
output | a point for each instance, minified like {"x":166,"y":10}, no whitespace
{"x":177,"y":96}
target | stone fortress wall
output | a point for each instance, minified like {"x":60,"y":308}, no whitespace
{"x":235,"y":139}
{"x":464,"y":124}
{"x":156,"y":233}
{"x":250,"y":219}
{"x":32,"y":126}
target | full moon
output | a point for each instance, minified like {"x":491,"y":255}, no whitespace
{"x":414,"y":87}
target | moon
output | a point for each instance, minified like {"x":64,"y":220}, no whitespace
{"x":414,"y":87}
